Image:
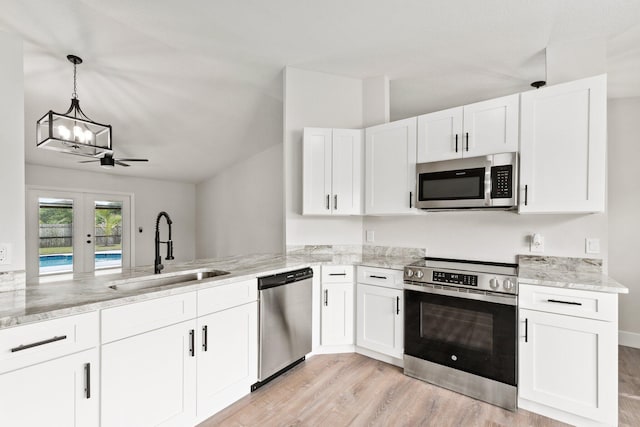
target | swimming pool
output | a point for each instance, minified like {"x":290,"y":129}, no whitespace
{"x":67,"y":259}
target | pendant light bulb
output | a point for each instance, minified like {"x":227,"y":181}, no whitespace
{"x":64,"y":132}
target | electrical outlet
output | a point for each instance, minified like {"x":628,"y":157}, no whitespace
{"x":5,"y":253}
{"x":536,"y":244}
{"x":370,"y":236}
{"x":592,"y":245}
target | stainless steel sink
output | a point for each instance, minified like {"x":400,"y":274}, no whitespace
{"x":155,"y":282}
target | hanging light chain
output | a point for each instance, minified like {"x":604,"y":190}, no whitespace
{"x":74,"y":95}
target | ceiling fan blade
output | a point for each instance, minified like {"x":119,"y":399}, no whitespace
{"x":89,"y":161}
{"x":133,"y":160}
{"x":118,"y":162}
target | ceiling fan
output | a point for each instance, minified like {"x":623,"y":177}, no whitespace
{"x":108,"y":161}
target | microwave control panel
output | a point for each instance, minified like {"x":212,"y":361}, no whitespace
{"x":455,"y":278}
{"x":502,"y":182}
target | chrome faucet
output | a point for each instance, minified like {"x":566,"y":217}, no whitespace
{"x":157,"y":265}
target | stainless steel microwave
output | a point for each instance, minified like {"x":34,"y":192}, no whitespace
{"x":474,"y":182}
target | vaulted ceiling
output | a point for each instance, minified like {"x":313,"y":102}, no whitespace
{"x":196,"y":85}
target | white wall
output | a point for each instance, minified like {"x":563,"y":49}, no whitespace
{"x":624,"y":206}
{"x":12,"y":219}
{"x":150,"y":197}
{"x":490,"y":236}
{"x":315,"y":99}
{"x":240,"y":210}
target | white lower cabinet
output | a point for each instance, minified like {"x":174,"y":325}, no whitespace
{"x":380,"y":319}
{"x":227,"y":357}
{"x":63,"y":392}
{"x":568,"y":364}
{"x":150,"y":379}
{"x":337,"y":314}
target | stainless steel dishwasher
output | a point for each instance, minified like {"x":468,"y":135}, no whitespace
{"x":285,"y":322}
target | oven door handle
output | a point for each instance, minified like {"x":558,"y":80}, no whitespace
{"x":505,"y":299}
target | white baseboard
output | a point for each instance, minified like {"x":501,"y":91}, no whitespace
{"x":629,"y":339}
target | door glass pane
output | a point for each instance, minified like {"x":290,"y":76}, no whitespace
{"x":56,"y":235}
{"x":454,"y":325}
{"x":108,"y":234}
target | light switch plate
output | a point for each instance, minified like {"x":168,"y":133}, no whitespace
{"x":370,"y":236}
{"x":592,"y":245}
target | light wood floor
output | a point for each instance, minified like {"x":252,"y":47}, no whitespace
{"x":353,"y":390}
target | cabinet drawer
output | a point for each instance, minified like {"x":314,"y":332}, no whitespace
{"x":132,"y":319}
{"x":380,"y":276}
{"x":337,"y":274}
{"x":33,"y":343}
{"x":226,"y":296}
{"x":573,"y":302}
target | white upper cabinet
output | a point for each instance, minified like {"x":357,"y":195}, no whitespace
{"x":332,"y":172}
{"x":562,"y":147}
{"x":390,"y":168}
{"x":479,"y":129}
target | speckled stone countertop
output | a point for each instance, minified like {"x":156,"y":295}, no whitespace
{"x":571,"y":273}
{"x":41,"y":301}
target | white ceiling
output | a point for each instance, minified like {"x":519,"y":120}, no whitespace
{"x":196,"y":85}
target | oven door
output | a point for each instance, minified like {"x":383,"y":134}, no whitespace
{"x":471,"y":335}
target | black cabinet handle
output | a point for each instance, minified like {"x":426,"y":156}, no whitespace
{"x":87,"y":380}
{"x":335,"y":202}
{"x":377,"y":277}
{"x":337,"y":274}
{"x":204,"y":338}
{"x":36,"y":344}
{"x":467,"y":136}
{"x":192,"y":343}
{"x":328,"y":199}
{"x":326,"y":297}
{"x":526,"y":190}
{"x":526,"y":330}
{"x":397,"y":305}
{"x":456,"y":142}
{"x":410,"y":199}
{"x":564,"y":302}
{"x":88,"y":241}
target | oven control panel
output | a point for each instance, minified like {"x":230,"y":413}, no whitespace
{"x":455,"y":278}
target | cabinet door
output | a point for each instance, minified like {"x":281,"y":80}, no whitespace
{"x":337,"y":314}
{"x":346,"y":181}
{"x":390,"y":167}
{"x":227,"y":357}
{"x":491,"y":127}
{"x":562,"y":147}
{"x":380,"y":323}
{"x":569,"y":363}
{"x":149,"y":379}
{"x":62,"y":392}
{"x":440,"y":135}
{"x":316,"y":171}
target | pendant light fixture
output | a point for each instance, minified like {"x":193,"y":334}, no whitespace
{"x":73,"y":132}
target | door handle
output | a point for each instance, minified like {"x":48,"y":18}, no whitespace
{"x":456,"y":142}
{"x":326,"y":297}
{"x":377,"y":277}
{"x":328,"y":198}
{"x":397,"y":305}
{"x":192,"y":343}
{"x":204,"y":338}
{"x":467,"y":136}
{"x":38,"y":343}
{"x":526,"y":330}
{"x":526,"y":190}
{"x":410,"y":199}
{"x":335,"y":202}
{"x":87,"y":380}
{"x":564,"y":302}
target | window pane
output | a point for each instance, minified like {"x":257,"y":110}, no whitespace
{"x":56,"y":235}
{"x":108,"y":234}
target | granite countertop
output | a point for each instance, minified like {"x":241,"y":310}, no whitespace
{"x":571,"y":273}
{"x":46,"y":300}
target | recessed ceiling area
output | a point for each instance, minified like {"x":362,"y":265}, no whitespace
{"x":196,"y":86}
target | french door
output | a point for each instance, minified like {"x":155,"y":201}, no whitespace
{"x":71,"y":232}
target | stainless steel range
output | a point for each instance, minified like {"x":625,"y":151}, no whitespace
{"x":460,"y":327}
